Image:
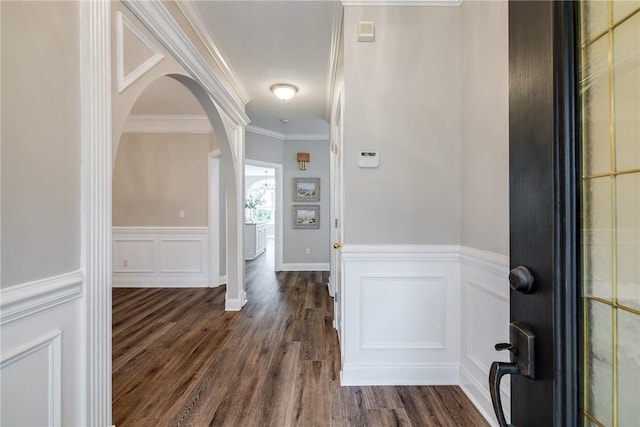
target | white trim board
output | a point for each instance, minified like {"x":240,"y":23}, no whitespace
{"x":159,"y":21}
{"x":334,"y":55}
{"x":96,"y":91}
{"x":124,"y":81}
{"x":397,"y":374}
{"x":287,"y":136}
{"x":197,"y":23}
{"x":319,"y":266}
{"x":235,"y":304}
{"x":29,"y":298}
{"x":51,"y":343}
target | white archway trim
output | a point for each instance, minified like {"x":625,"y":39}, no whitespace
{"x":195,"y":19}
{"x":155,"y":16}
{"x":95,"y":28}
{"x":215,"y":278}
{"x":124,"y":81}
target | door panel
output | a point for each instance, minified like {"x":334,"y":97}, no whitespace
{"x":531,"y":196}
{"x":575,"y":219}
{"x":336,"y":214}
{"x":543,"y":214}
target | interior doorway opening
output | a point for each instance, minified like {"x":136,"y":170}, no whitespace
{"x":263,"y":211}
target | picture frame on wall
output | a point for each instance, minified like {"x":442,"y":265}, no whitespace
{"x":306,"y":217}
{"x":306,"y":189}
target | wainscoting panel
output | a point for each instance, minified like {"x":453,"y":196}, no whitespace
{"x":383,"y":298}
{"x":37,"y":368}
{"x":42,"y":352}
{"x":485,"y":322}
{"x":161,"y":257}
{"x":401,"y":310}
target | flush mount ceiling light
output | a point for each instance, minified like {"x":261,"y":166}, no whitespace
{"x":284,"y":91}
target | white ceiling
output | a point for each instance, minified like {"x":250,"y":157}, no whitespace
{"x":269,"y":42}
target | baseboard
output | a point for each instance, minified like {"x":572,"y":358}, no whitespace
{"x":159,"y":283}
{"x":397,"y":375}
{"x":479,"y":396}
{"x":233,"y":304}
{"x":318,"y":266}
{"x":223,"y":280}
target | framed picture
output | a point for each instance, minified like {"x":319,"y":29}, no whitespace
{"x":306,"y":189}
{"x":305,"y":216}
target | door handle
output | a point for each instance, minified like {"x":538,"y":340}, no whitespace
{"x":497,"y":371}
{"x":521,"y":279}
{"x":337,"y":245}
{"x":522,"y":354}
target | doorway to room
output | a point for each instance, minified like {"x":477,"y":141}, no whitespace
{"x":263,"y":212}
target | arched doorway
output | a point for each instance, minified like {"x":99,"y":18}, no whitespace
{"x":228,"y":137}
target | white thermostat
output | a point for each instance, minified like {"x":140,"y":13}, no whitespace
{"x":368,"y":159}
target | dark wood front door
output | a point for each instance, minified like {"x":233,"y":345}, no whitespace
{"x":543,"y":170}
{"x":575,"y":212}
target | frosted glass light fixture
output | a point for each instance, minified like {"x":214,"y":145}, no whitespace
{"x":284,"y":91}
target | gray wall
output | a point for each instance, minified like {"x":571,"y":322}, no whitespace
{"x":485,"y":126}
{"x":402,"y":99}
{"x":295,"y":242}
{"x":264,"y":148}
{"x":40,"y":140}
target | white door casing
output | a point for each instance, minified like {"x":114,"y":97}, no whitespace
{"x":335,"y":283}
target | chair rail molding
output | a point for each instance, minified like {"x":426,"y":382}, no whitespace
{"x":27,"y":299}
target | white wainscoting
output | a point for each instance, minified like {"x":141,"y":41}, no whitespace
{"x":424,"y":315}
{"x":401,"y":311}
{"x":485,"y":322}
{"x":43,"y":351}
{"x":161,"y":257}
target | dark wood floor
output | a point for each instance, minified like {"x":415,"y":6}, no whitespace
{"x":180,"y":360}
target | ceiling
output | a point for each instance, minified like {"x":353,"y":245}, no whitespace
{"x":269,"y":42}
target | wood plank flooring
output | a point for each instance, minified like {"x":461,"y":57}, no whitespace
{"x":180,"y":360}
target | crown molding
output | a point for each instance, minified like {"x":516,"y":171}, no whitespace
{"x":197,"y":23}
{"x":159,"y":21}
{"x":287,"y":136}
{"x":432,"y":3}
{"x":167,"y":123}
{"x":264,"y":132}
{"x":334,"y":55}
